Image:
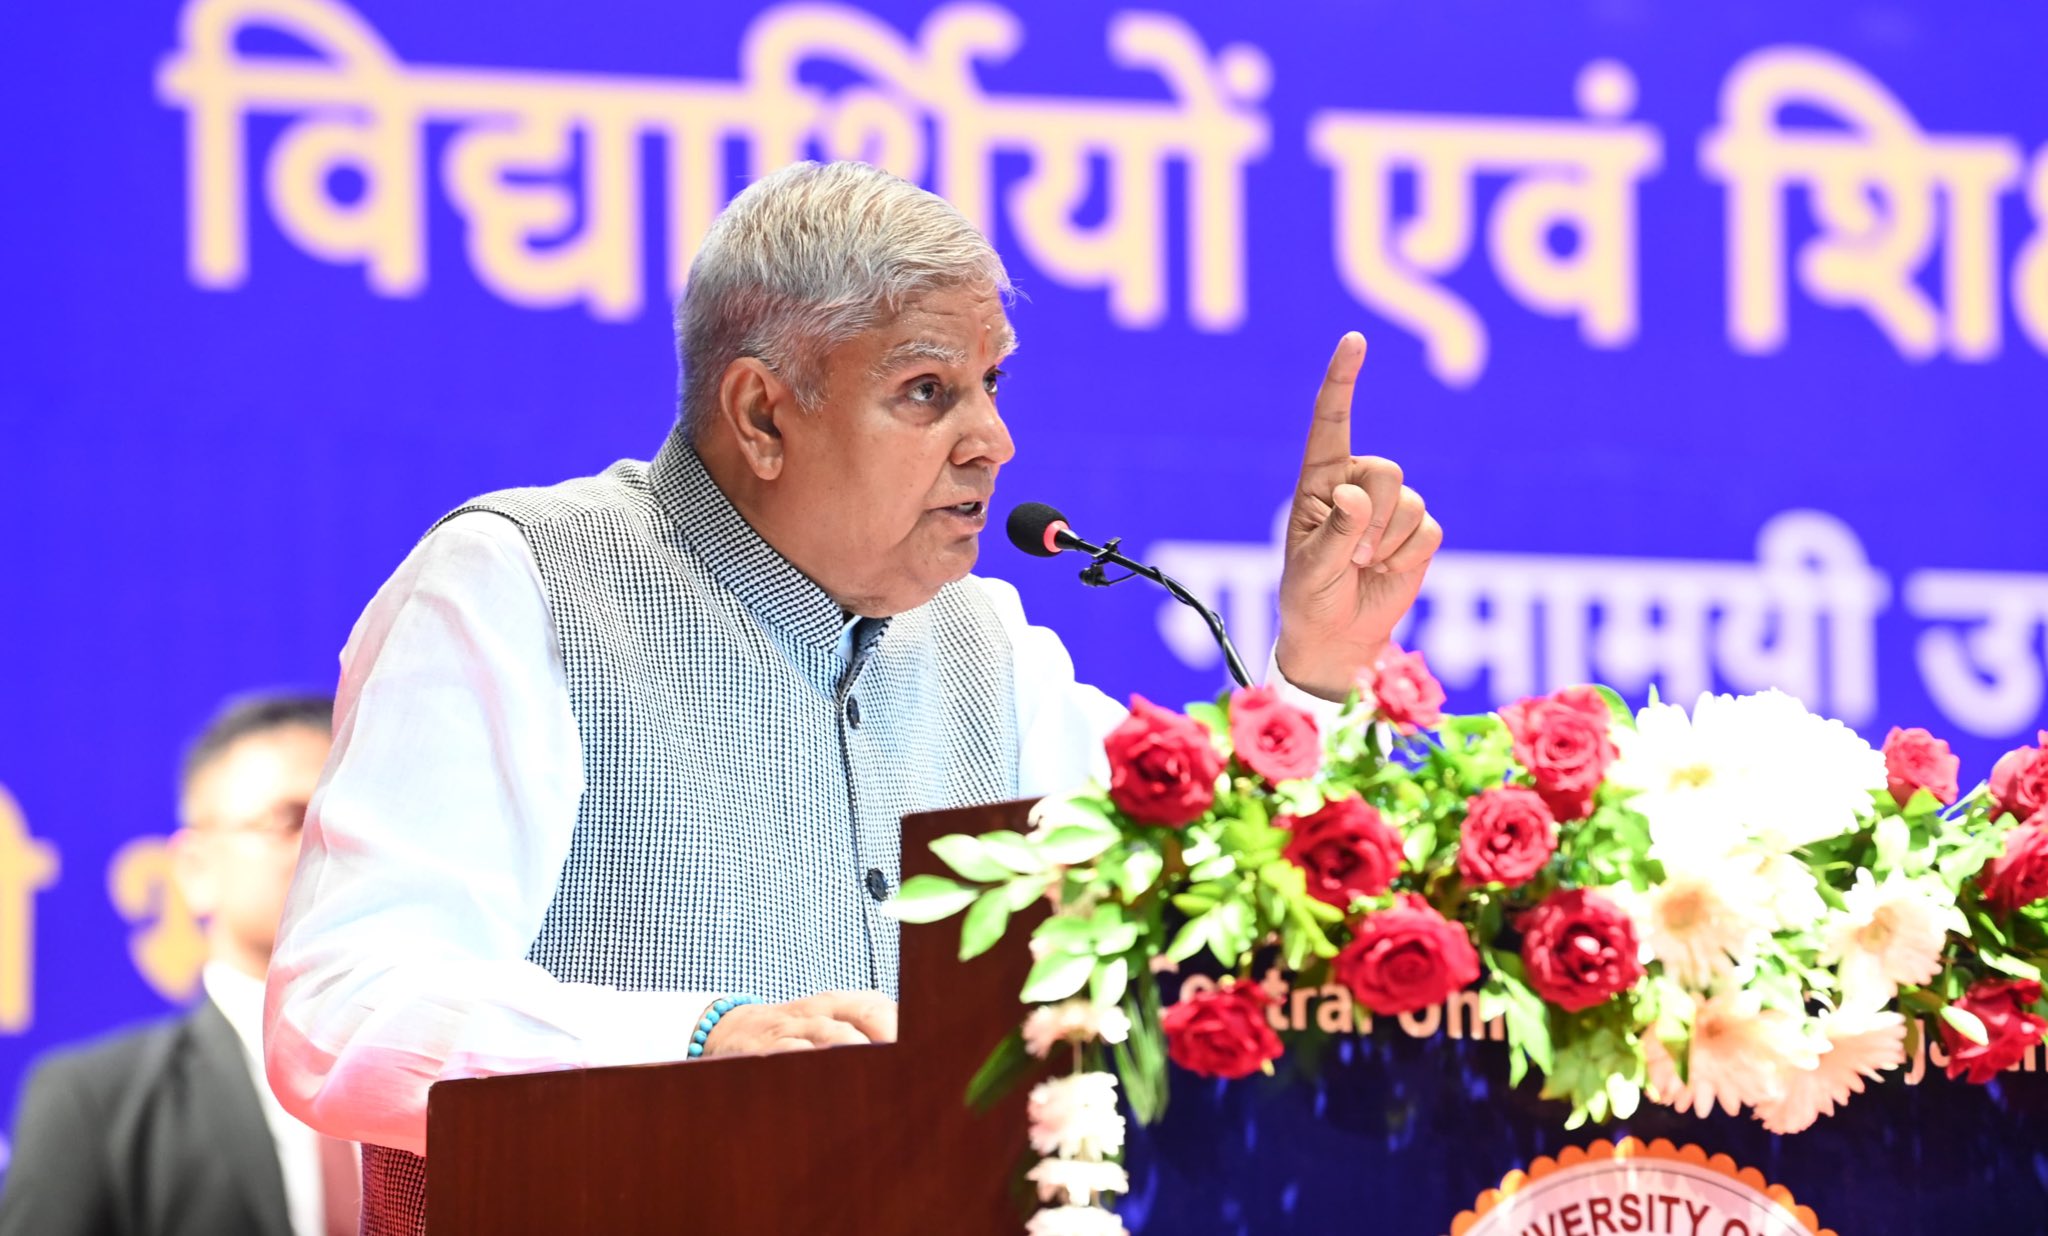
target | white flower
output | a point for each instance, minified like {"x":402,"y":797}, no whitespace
{"x":1861,"y":1043}
{"x":1888,"y":934}
{"x":1688,"y":786}
{"x":1074,"y":1221}
{"x":1077,"y":1181}
{"x":1704,"y":920}
{"x":1077,"y":1020}
{"x":1075,"y":1117}
{"x":1818,"y":773}
{"x":1738,"y":1056}
{"x":1794,"y":892}
{"x":1757,"y":772}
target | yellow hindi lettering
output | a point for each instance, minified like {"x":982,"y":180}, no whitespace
{"x":1579,"y":176}
{"x":546,"y":169}
{"x":2030,"y":268}
{"x":168,"y":945}
{"x":27,"y":866}
{"x":1210,"y":125}
{"x":356,"y":112}
{"x":1874,"y":182}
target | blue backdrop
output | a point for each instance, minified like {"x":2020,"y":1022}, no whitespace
{"x":1715,"y":336}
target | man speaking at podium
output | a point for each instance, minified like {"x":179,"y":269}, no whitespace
{"x":614,"y":753}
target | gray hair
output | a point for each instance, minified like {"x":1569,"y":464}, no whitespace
{"x":808,"y":257}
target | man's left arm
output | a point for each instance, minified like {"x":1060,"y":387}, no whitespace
{"x":1358,"y":544}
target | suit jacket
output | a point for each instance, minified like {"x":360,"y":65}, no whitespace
{"x":152,"y":1132}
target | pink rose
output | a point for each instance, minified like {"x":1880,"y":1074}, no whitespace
{"x":1578,"y":949}
{"x":1221,"y":1033}
{"x":1562,"y":739}
{"x":2010,"y":1028}
{"x":1408,"y":695}
{"x":1274,"y":739}
{"x":2019,"y":781}
{"x":1162,"y":766}
{"x":1346,"y":849}
{"x":2019,"y":875}
{"x":1405,"y":958}
{"x":1508,"y":835}
{"x":1917,"y":760}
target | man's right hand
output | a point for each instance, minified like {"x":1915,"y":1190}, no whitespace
{"x":826,"y":1020}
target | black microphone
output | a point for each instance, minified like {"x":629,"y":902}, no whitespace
{"x":1042,"y":532}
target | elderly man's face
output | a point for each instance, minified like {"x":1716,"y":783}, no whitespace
{"x":899,"y":462}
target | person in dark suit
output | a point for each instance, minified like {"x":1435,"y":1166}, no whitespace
{"x":171,"y":1130}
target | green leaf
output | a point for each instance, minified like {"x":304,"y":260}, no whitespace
{"x":984,"y":924}
{"x":1624,"y":1096}
{"x":1232,"y":933}
{"x":1923,"y":803}
{"x":1024,"y":890}
{"x":1298,"y":798}
{"x":1893,"y":838}
{"x":2005,"y":963}
{"x":1121,"y":938}
{"x":964,"y":855}
{"x":1198,"y":846}
{"x":1527,"y":1018}
{"x":1966,"y":1024}
{"x":1004,"y":1068}
{"x":928,"y":898}
{"x":1284,"y":878}
{"x":1012,"y":851}
{"x":1141,"y":870}
{"x":1192,"y":937}
{"x":1106,"y":987}
{"x":1066,"y":933}
{"x":1617,"y":706}
{"x":1212,"y":716}
{"x":1967,"y":859}
{"x":1070,"y":844}
{"x":1213,"y":869}
{"x":1057,"y":976}
{"x":1141,"y":1059}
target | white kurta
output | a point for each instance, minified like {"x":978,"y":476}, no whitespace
{"x":433,"y":847}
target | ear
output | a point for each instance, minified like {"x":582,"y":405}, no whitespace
{"x":195,"y":871}
{"x":751,"y":399}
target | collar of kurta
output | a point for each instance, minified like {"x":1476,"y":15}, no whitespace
{"x":765,"y":582}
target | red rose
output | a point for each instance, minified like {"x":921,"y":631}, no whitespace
{"x":1162,"y":766}
{"x":1562,"y":740}
{"x":1508,"y":835}
{"x":1405,"y":958}
{"x":1347,"y":850}
{"x":1275,"y":740}
{"x":1917,"y":760}
{"x":2009,"y":1029}
{"x":1408,"y":695}
{"x":2019,"y":780}
{"x":1221,"y":1033}
{"x":2019,"y":876}
{"x":1578,"y":949}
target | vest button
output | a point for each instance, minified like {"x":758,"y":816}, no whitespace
{"x":878,"y":884}
{"x":853,"y":712}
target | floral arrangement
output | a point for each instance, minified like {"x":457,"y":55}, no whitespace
{"x":1745,"y":906}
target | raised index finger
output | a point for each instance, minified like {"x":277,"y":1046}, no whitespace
{"x":1329,"y":434}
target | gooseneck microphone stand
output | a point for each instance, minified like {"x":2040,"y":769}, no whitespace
{"x":1095,"y":575}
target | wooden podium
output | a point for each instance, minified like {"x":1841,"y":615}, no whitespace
{"x":873,"y":1140}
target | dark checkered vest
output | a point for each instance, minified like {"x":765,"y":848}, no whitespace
{"x":744,"y":781}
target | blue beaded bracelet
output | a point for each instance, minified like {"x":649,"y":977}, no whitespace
{"x":719,"y":1008}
